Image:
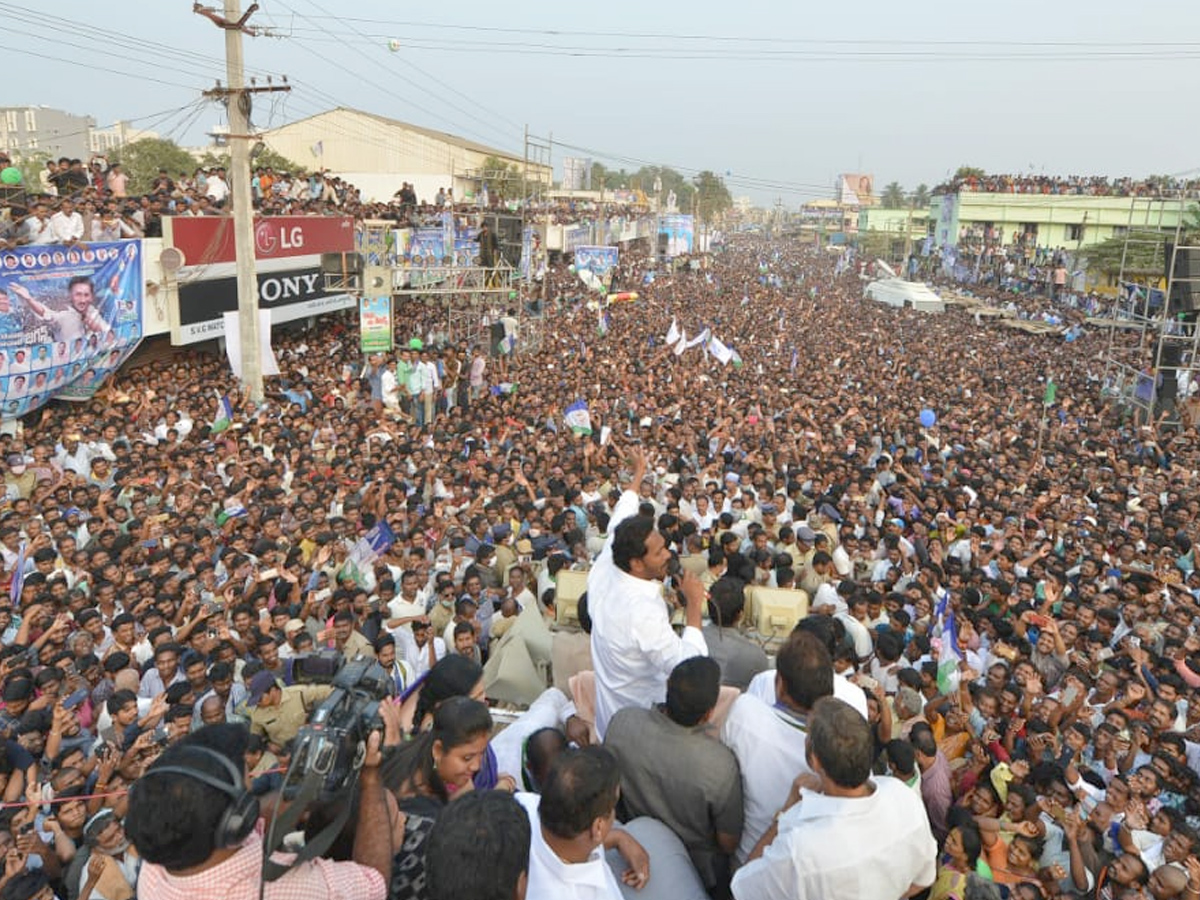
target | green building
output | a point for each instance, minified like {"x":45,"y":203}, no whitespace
{"x":1070,"y":221}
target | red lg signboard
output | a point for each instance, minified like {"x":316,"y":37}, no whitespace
{"x":205,"y":240}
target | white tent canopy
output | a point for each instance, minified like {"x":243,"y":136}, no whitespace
{"x":900,"y":293}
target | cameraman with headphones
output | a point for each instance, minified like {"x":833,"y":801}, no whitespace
{"x":200,"y":833}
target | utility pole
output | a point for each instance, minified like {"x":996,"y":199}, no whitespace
{"x":237,"y":101}
{"x":546,"y":221}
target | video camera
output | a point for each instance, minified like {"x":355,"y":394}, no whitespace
{"x":328,"y":752}
{"x":333,"y":743}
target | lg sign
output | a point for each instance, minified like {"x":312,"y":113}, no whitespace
{"x":269,"y":237}
{"x":207,"y":240}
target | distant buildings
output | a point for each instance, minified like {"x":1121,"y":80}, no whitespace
{"x":32,"y":130}
{"x":27,"y":131}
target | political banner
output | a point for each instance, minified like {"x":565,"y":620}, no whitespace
{"x":575,"y":236}
{"x":375,"y":324}
{"x":595,"y":265}
{"x":427,"y":245}
{"x":69,"y":316}
{"x":679,"y":232}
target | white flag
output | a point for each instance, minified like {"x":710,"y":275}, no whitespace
{"x":681,"y":344}
{"x":673,"y":333}
{"x":718,"y":349}
{"x":699,"y":339}
{"x":233,"y":344}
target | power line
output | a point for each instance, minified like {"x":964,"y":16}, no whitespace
{"x":404,"y":99}
{"x":392,"y":57}
{"x":671,"y":53}
{"x":743,"y":180}
{"x":110,"y":39}
{"x":724,"y":38}
{"x":60,"y":60}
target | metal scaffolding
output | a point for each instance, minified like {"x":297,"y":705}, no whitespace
{"x":474,"y":297}
{"x":1153,"y":352}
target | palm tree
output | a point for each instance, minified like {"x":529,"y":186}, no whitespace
{"x":919,"y":199}
{"x":893,"y":196}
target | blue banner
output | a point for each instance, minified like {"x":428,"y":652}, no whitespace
{"x":575,"y":236}
{"x":600,"y":261}
{"x":680,"y":233}
{"x":69,"y":316}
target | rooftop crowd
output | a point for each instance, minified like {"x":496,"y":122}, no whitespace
{"x":1077,"y":185}
{"x":170,"y":568}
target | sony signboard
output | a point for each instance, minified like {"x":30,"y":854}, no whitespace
{"x":287,"y":262}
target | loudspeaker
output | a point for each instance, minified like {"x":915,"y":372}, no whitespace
{"x":1170,"y":354}
{"x":1184,"y":279}
{"x":341,"y":263}
{"x":377,"y":281}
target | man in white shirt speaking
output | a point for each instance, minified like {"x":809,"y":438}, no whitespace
{"x":634,"y":647}
{"x":842,"y":833}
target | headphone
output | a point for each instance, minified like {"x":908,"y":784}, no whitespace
{"x":240,"y":816}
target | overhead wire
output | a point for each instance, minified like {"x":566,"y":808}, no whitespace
{"x":207,"y":63}
{"x":770,"y":56}
{"x":745,"y":180}
{"x":408,"y":100}
{"x":726,"y":38}
{"x":152,"y":120}
{"x":392,"y":57}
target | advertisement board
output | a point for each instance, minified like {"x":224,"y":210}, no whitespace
{"x":289,"y":294}
{"x":204,"y":240}
{"x":287,"y":252}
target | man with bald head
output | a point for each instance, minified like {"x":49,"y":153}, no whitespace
{"x":212,"y":710}
{"x":1166,"y":882}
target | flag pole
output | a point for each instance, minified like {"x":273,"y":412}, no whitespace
{"x":1047,"y":399}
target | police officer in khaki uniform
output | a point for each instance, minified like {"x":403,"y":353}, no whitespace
{"x":278,"y":712}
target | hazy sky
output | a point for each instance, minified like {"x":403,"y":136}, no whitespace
{"x":782,"y":95}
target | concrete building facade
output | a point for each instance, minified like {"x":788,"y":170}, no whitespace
{"x":1073,"y":222}
{"x":31,"y":130}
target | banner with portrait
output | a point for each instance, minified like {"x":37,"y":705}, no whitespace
{"x":375,"y":324}
{"x":69,"y":316}
{"x":677,"y":232}
{"x":595,"y":265}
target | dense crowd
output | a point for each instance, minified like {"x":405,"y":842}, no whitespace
{"x":994,"y":689}
{"x":1077,"y":185}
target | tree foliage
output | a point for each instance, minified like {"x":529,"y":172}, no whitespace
{"x":969,"y":172}
{"x":919,"y":198}
{"x":893,"y":196}
{"x":31,"y":163}
{"x":1144,"y":254}
{"x":260,"y":158}
{"x":142,"y":160}
{"x":503,"y":180}
{"x":713,"y":196}
{"x":644,"y":179}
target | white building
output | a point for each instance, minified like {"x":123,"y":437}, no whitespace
{"x":378,"y":154}
{"x":108,"y":141}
